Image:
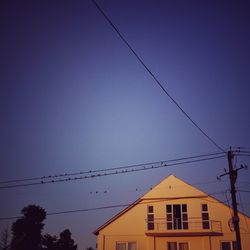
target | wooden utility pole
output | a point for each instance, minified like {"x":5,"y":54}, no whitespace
{"x":233,"y":176}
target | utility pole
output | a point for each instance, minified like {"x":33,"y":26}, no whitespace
{"x":233,"y":176}
{"x":233,"y":172}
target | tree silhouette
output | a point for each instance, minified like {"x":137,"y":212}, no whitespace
{"x":65,"y":241}
{"x":5,"y":239}
{"x":49,"y":242}
{"x":27,"y":231}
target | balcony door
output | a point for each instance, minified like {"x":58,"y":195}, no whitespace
{"x":177,"y":217}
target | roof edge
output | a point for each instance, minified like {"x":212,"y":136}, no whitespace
{"x":96,"y":232}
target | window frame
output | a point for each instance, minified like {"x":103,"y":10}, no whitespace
{"x":231,"y":242}
{"x":206,"y":224}
{"x":170,"y":220}
{"x":150,"y":218}
{"x":126,"y":244}
{"x":177,"y":244}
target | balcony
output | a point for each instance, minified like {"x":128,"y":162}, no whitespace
{"x":192,"y":227}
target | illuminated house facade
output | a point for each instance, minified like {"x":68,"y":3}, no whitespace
{"x":173,"y":216}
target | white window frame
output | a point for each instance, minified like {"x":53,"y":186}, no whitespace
{"x":178,"y":242}
{"x":151,"y":222}
{"x":205,"y":212}
{"x":227,"y":241}
{"x":126,"y":243}
{"x":172,"y":222}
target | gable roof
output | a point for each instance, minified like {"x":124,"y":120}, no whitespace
{"x":166,"y":189}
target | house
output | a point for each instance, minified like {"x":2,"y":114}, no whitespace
{"x":173,"y":216}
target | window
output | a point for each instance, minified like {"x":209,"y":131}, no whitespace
{"x":172,"y":245}
{"x":131,"y":246}
{"x":205,"y":216}
{"x":177,"y":246}
{"x":228,"y":245}
{"x":183,"y":246}
{"x":177,"y":216}
{"x":121,"y":246}
{"x":150,"y":218}
{"x":126,"y":245}
{"x":150,"y":209}
{"x":169,"y":217}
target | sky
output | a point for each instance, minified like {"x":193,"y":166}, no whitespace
{"x":74,"y":98}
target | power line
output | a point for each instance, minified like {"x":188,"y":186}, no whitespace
{"x":108,"y":169}
{"x":243,"y":191}
{"x":241,"y":154}
{"x":243,"y":151}
{"x":240,"y":151}
{"x":154,"y":77}
{"x":127,"y":170}
{"x":107,"y":174}
{"x":116,"y":171}
{"x":72,"y":211}
{"x":96,"y":208}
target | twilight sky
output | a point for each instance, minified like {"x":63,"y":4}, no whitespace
{"x":74,"y":98}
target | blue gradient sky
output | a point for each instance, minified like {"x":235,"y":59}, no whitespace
{"x":74,"y":98}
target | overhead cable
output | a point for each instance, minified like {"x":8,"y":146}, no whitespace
{"x":155,"y":78}
{"x":116,"y":171}
{"x":96,"y":208}
{"x":107,"y":169}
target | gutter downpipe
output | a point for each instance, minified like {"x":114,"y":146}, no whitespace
{"x":103,"y":243}
{"x":210,"y":244}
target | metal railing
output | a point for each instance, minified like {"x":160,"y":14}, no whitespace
{"x":192,"y":225}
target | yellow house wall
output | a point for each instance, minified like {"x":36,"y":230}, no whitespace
{"x":128,"y":227}
{"x":131,"y":225}
{"x":196,"y":243}
{"x":172,"y":187}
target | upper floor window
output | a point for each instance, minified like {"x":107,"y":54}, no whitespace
{"x":205,"y":216}
{"x":177,"y":216}
{"x":130,"y":245}
{"x":228,"y":245}
{"x":150,"y":218}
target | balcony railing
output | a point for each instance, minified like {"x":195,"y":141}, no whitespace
{"x":192,"y":226}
